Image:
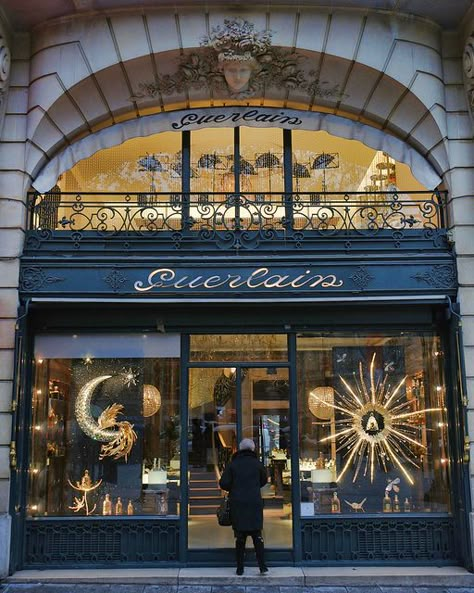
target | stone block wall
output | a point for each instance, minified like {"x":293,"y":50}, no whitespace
{"x":13,"y":184}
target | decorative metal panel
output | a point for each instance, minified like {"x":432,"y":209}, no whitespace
{"x":233,"y":221}
{"x":374,"y":539}
{"x":101,"y":541}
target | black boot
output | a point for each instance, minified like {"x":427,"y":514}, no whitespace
{"x":240,"y":555}
{"x":260,"y":553}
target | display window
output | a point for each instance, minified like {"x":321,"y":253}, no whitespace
{"x":105,"y":426}
{"x":371,"y":419}
{"x":372,"y":424}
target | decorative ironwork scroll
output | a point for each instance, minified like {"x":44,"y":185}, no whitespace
{"x":238,"y":221}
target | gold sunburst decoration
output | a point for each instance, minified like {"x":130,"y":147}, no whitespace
{"x":375,"y":427}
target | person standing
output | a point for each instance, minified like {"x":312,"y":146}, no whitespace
{"x":242,"y":478}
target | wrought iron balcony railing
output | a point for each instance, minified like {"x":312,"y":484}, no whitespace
{"x":236,"y":220}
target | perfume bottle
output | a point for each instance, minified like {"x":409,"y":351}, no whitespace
{"x":387,"y":503}
{"x":129,"y":508}
{"x":107,"y":505}
{"x":118,"y":506}
{"x":396,"y":504}
{"x":407,"y":506}
{"x":335,"y":504}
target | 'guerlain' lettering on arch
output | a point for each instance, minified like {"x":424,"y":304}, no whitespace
{"x":247,"y":280}
{"x":194,"y":118}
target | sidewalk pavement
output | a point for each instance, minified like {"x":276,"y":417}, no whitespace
{"x":397,"y":579}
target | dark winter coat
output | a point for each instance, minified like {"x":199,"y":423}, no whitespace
{"x":242,"y":478}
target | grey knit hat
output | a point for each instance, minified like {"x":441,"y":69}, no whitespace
{"x":246,"y":444}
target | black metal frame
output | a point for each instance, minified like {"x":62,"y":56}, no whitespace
{"x":196,"y":556}
{"x":372,"y":539}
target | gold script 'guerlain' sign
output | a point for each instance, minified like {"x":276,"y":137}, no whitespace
{"x":258,"y":279}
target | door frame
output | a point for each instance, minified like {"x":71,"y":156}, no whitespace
{"x":225,"y":556}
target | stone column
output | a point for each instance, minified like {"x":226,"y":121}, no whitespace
{"x":460,"y":182}
{"x":13,"y":184}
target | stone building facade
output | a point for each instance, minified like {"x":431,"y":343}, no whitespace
{"x":79,"y":81}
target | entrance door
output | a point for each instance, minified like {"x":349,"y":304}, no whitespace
{"x":226,"y":404}
{"x":265,"y":406}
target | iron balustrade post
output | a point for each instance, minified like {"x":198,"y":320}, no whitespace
{"x":186,"y":222}
{"x":288,"y":179}
{"x":237,"y":197}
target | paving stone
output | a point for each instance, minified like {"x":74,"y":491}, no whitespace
{"x":24,"y":588}
{"x":91,"y":588}
{"x":294,"y":589}
{"x":262,"y":588}
{"x":363,"y":589}
{"x":397,"y":589}
{"x":228,"y":589}
{"x":160,"y":589}
{"x":460,"y":589}
{"x":325,"y":589}
{"x":128,"y":588}
{"x":431,"y":589}
{"x":65,"y":588}
{"x":194,"y":589}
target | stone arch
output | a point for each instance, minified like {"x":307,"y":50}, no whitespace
{"x":399,"y":90}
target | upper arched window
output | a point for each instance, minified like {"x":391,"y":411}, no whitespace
{"x":238,"y":178}
{"x":255,"y":160}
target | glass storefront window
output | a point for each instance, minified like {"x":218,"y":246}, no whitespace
{"x":106,"y":426}
{"x":373,"y":426}
{"x":242,"y":347}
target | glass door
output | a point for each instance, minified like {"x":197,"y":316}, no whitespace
{"x":212,"y":438}
{"x":265,"y":406}
{"x":238,"y":387}
{"x":225,"y":405}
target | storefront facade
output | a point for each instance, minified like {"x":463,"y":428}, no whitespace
{"x":245,"y":231}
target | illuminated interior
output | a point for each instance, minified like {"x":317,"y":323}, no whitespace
{"x":355,"y":168}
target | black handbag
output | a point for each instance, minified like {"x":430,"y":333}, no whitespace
{"x":223,"y":513}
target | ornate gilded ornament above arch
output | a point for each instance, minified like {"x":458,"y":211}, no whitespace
{"x":239,"y":62}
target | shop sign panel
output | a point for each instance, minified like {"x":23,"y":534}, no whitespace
{"x":217,"y":280}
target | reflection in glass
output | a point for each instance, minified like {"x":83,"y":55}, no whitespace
{"x":212,"y":438}
{"x":373,"y":429}
{"x":266,"y":420}
{"x":243,"y":347}
{"x":81,"y":406}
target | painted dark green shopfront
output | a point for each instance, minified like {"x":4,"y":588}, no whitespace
{"x":243,"y":325}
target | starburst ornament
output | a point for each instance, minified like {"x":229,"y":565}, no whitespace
{"x":375,"y":428}
{"x":130,"y":377}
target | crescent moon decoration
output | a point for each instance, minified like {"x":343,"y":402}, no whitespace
{"x":378,"y":425}
{"x":118,"y":436}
